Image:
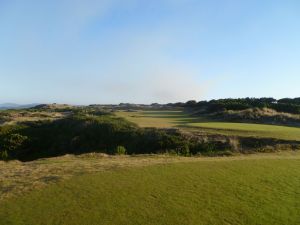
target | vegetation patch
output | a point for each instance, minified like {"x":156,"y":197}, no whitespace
{"x":81,"y":130}
{"x":257,"y":115}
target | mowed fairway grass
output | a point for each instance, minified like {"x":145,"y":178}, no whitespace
{"x":247,"y":129}
{"x":159,"y":119}
{"x":179,"y":119}
{"x":235,"y":190}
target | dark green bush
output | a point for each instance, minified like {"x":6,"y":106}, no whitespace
{"x":84,"y":133}
{"x":11,"y":144}
{"x":183,"y":149}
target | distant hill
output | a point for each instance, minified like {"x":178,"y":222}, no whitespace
{"x":16,"y":106}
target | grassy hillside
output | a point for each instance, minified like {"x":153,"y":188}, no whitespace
{"x":85,"y":130}
{"x":256,"y":115}
{"x":185,"y":121}
{"x":240,"y":190}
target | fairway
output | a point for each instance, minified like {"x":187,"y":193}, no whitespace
{"x":159,"y":119}
{"x":236,"y":190}
{"x":179,"y":119}
{"x":260,"y":130}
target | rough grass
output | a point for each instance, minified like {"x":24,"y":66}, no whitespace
{"x":256,"y":189}
{"x":179,"y":119}
{"x":258,"y":113}
{"x":11,"y":117}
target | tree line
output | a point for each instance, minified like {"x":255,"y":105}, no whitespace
{"x":287,"y":105}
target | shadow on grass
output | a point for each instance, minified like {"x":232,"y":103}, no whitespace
{"x":176,"y":118}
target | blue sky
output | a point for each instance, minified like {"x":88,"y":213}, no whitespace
{"x":111,"y":51}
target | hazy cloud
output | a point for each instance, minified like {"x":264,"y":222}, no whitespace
{"x":162,"y":84}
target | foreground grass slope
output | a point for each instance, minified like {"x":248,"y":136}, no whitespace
{"x":236,"y":190}
{"x":183,"y":120}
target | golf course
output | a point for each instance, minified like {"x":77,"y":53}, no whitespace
{"x":254,"y":189}
{"x":161,"y":112}
{"x":182,"y":120}
{"x":100,"y":186}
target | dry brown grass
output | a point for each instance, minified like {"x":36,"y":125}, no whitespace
{"x":24,"y":116}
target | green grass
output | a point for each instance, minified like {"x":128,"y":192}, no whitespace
{"x":241,"y":190}
{"x":179,"y":119}
{"x":246,"y":129}
{"x":160,"y":119}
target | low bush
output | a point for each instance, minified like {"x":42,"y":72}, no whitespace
{"x":11,"y":144}
{"x":183,"y":149}
{"x":83,"y":133}
{"x":120,"y":150}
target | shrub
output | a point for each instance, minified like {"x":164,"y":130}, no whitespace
{"x":3,"y":155}
{"x":171,"y":152}
{"x":120,"y":150}
{"x":183,"y":150}
{"x":10,"y":144}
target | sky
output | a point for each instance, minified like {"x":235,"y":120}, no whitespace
{"x":141,"y":51}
